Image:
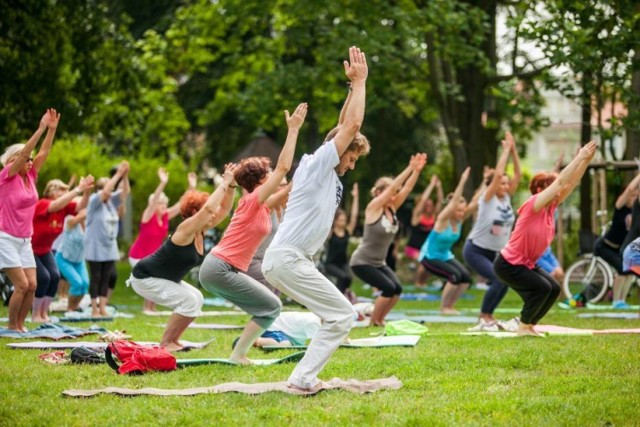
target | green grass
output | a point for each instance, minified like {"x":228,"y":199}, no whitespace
{"x":447,"y":380}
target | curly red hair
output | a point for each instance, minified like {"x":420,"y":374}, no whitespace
{"x":251,"y":171}
{"x":541,"y":180}
{"x":192,"y":202}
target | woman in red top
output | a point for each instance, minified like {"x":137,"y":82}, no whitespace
{"x":515,"y":265}
{"x":48,"y":220}
{"x":154,"y":225}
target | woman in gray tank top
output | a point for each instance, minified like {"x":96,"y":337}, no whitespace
{"x":380,"y":226}
{"x":491,"y":232}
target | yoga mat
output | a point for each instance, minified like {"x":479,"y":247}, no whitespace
{"x":375,"y":342}
{"x":217,"y":326}
{"x":52,"y":331}
{"x":419,"y":297}
{"x":203,"y":314}
{"x":355,"y":386}
{"x":554,"y":330}
{"x":627,"y":315}
{"x":258,"y":362}
{"x":92,"y":344}
{"x":609,"y":307}
{"x":86,"y":319}
{"x":433,"y":318}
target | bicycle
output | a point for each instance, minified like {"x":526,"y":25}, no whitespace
{"x":6,"y":288}
{"x":589,"y":278}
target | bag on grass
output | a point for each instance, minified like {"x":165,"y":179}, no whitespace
{"x":404,"y":327}
{"x":86,"y":355}
{"x":138,"y":359}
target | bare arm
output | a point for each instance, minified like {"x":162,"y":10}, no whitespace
{"x":499,"y":170}
{"x":163,"y":175}
{"x":568,"y":179}
{"x":285,"y":160}
{"x":25,"y":154}
{"x":52,"y":124}
{"x":473,"y":204}
{"x":108,"y":188}
{"x":66,"y":198}
{"x":345,"y":107}
{"x":383,"y":198}
{"x":186,"y":231}
{"x":418,"y":208}
{"x":125,"y":186}
{"x":355,"y":209}
{"x":75,"y":220}
{"x":443,"y":217}
{"x":278,"y":198}
{"x":517,"y":171}
{"x":419,"y":161}
{"x":192,"y":180}
{"x":628,"y":192}
{"x":357,"y":71}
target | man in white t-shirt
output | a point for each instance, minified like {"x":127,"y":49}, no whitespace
{"x":312,"y":203}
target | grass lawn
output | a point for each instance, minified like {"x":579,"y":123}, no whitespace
{"x":448,"y":379}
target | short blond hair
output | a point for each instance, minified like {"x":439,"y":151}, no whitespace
{"x":162,"y":199}
{"x":359,"y":144}
{"x":381,"y":184}
{"x":10,"y":153}
{"x":52,"y":185}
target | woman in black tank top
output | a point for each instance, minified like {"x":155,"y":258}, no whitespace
{"x":158,"y":277}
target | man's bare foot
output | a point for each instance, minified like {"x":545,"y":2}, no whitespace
{"x":244,"y":360}
{"x":173,"y":347}
{"x":528,"y":331}
{"x":313,"y":390}
{"x":449,"y":311}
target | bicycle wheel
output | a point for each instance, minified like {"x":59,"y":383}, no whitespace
{"x":587,"y":276}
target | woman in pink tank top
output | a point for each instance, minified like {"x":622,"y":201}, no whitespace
{"x":154,"y":225}
{"x":534,"y":231}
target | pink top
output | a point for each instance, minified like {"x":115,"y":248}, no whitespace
{"x":250,"y":224}
{"x":532,"y":235}
{"x":47,"y":226}
{"x":151,"y":236}
{"x":18,"y":203}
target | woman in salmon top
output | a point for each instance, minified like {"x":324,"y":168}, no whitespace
{"x":534,"y":231}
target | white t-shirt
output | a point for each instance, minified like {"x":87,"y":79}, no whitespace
{"x":300,"y":326}
{"x":494,"y":223}
{"x":312,"y":203}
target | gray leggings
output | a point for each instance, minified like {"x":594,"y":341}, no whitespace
{"x":223,"y":279}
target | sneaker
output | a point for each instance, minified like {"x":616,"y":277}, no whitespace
{"x":510,"y":325}
{"x":482,"y":286}
{"x":620,"y":305}
{"x":484,"y":326}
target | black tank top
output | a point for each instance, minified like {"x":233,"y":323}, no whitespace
{"x":618,"y":230}
{"x":337,"y":249}
{"x":170,"y":262}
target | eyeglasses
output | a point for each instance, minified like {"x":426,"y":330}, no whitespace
{"x":30,"y":159}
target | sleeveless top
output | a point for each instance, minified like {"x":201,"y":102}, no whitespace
{"x":72,"y":246}
{"x":151,"y":236}
{"x":420,"y":232}
{"x":438,"y":245}
{"x":375,"y":242}
{"x":170,"y":262}
{"x":494,"y":223}
{"x":337,"y":249}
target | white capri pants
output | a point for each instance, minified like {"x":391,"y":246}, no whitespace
{"x":182,"y":297}
{"x":16,"y":252}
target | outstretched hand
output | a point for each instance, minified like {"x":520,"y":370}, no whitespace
{"x":465,"y":174}
{"x":50,"y":119}
{"x":588,"y":151}
{"x":509,"y":138}
{"x":356,"y":68}
{"x":229,"y":173}
{"x":507,"y":143}
{"x":86,"y":182}
{"x":163,"y":175}
{"x":297,"y":119}
{"x":418,"y":161}
{"x":192,"y":180}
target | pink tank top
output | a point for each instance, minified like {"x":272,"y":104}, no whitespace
{"x":150,"y":238}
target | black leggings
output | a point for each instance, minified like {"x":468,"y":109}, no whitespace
{"x":342,"y":273}
{"x":382,"y":278}
{"x":101,"y":273}
{"x":47,"y":275}
{"x":452,"y":271}
{"x":536,"y":287}
{"x":613,"y":257}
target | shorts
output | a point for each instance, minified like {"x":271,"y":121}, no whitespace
{"x":548,"y":261}
{"x":16,"y":252}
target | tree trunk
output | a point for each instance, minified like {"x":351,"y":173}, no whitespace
{"x":585,"y":184}
{"x":632,"y":149}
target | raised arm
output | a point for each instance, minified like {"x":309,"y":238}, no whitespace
{"x":66,"y":198}
{"x":418,"y":163}
{"x":148,"y":212}
{"x":278,"y":198}
{"x":419,"y":207}
{"x":517,"y":171}
{"x":568,"y":179}
{"x":285,"y":160}
{"x":72,"y":221}
{"x":445,"y":214}
{"x":345,"y":106}
{"x":52,"y":119}
{"x":108,"y":188}
{"x":189,"y":227}
{"x":379,"y":201}
{"x":473,"y":204}
{"x":125,"y":186}
{"x":192,"y":181}
{"x":25,"y":154}
{"x":355,"y":209}
{"x":629,"y":192}
{"x":498,"y":173}
{"x":356,"y":70}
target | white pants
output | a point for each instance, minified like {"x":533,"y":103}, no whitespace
{"x":183,"y":298}
{"x":289,"y":270}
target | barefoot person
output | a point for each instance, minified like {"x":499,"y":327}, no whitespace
{"x":380,"y":227}
{"x":436,"y":255}
{"x":534,"y":231}
{"x":315,"y":195}
{"x":19,"y":197}
{"x":223,"y":270}
{"x":158,"y":277}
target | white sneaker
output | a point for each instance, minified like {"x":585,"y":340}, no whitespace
{"x":484,"y":326}
{"x":510,"y":325}
{"x":482,"y":286}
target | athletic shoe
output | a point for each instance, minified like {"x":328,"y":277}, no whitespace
{"x":620,"y":305}
{"x":484,"y":326}
{"x":510,"y":325}
{"x":482,"y":286}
